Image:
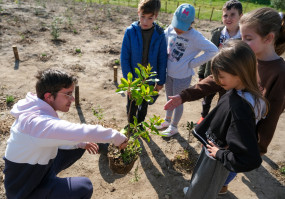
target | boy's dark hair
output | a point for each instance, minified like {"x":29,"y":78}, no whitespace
{"x":52,"y":81}
{"x":233,"y":4}
{"x":149,"y":6}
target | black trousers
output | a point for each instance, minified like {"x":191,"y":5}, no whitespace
{"x":139,"y":112}
{"x":206,"y":104}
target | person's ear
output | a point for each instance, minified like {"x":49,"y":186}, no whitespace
{"x":155,"y":16}
{"x":240,"y":15}
{"x":48,"y":97}
{"x":269,"y":38}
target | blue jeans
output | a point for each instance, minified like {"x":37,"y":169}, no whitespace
{"x":64,"y":188}
{"x":231,"y":176}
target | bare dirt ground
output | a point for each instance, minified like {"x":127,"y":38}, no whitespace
{"x":97,"y":30}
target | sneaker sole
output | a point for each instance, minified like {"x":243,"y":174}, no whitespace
{"x":169,"y":134}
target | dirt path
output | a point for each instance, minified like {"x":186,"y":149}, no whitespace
{"x":98,"y":31}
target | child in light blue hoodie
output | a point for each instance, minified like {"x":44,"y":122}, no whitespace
{"x":184,"y":43}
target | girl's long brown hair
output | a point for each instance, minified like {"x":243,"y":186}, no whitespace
{"x":238,"y":59}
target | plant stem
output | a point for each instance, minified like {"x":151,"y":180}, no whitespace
{"x":129,"y":118}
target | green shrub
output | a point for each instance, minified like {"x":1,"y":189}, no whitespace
{"x":282,"y":170}
{"x":78,"y":50}
{"x":278,"y":4}
{"x":264,"y":2}
{"x":9,"y":99}
{"x":117,"y":62}
{"x":55,"y":29}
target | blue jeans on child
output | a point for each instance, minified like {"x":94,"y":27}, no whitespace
{"x":230,"y":177}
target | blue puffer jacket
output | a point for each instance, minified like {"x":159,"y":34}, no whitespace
{"x":132,"y":50}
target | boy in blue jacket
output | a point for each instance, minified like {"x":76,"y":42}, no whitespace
{"x":144,"y":42}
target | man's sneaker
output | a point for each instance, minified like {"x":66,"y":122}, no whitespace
{"x":163,"y":125}
{"x":223,"y":190}
{"x":185,"y":189}
{"x":200,"y":120}
{"x":170,"y":131}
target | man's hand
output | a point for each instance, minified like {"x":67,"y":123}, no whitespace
{"x":173,"y":102}
{"x":91,"y":147}
{"x":124,"y":144}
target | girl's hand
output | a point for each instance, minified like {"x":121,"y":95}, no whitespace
{"x":212,"y":148}
{"x":124,"y":144}
{"x":173,"y":102}
{"x":92,"y":148}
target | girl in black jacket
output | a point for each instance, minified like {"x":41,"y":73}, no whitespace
{"x":228,"y":133}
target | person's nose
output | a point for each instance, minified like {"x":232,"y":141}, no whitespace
{"x":71,"y":98}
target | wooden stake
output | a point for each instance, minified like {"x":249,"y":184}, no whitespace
{"x":199,"y":13}
{"x":16,"y":55}
{"x":211,"y":14}
{"x":115,"y":74}
{"x":76,"y":95}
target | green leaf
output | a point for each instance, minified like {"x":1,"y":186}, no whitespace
{"x":130,"y":77}
{"x":137,"y":81}
{"x":135,"y":121}
{"x":137,"y":71}
{"x":148,"y":99}
{"x":145,"y":124}
{"x":147,"y":90}
{"x":139,"y":101}
{"x":124,"y":81}
{"x":153,"y":93}
{"x":121,"y":85}
{"x":143,"y":88}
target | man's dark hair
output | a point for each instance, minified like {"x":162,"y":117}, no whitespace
{"x":52,"y":81}
{"x":233,"y":4}
{"x":149,"y":6}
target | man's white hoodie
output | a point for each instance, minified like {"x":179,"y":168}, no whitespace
{"x":35,"y":137}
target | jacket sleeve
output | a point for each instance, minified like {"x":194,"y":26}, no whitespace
{"x":56,"y":132}
{"x":126,"y":54}
{"x":242,"y":155}
{"x":205,"y":46}
{"x":266,"y":127}
{"x":202,"y":89}
{"x":205,"y":69}
{"x":162,"y":60}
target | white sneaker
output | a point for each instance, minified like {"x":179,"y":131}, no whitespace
{"x":163,"y":125}
{"x":170,"y":131}
{"x":185,"y":189}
